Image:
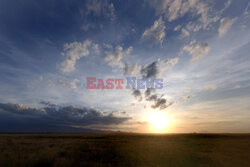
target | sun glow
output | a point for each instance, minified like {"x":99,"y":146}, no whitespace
{"x":159,"y":121}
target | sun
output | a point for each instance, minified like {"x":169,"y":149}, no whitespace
{"x":159,"y":121}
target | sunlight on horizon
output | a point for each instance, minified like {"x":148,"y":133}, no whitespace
{"x":159,"y":121}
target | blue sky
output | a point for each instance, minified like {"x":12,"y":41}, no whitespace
{"x":200,"y":49}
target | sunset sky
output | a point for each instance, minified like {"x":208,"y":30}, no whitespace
{"x":200,"y":48}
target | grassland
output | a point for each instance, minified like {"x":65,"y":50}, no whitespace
{"x":142,"y":150}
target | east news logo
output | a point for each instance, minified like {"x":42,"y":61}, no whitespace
{"x":130,"y":83}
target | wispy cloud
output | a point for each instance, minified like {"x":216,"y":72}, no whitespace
{"x":210,"y":87}
{"x":156,"y":33}
{"x":131,"y":69}
{"x":114,"y":57}
{"x":197,"y":49}
{"x":73,"y":52}
{"x":100,"y":7}
{"x":225,"y":24}
{"x":174,"y":9}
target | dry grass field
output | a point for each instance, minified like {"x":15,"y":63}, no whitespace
{"x":175,"y":150}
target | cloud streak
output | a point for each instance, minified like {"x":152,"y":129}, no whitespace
{"x":225,"y":24}
{"x":52,"y":117}
{"x":100,"y":7}
{"x":73,"y":52}
{"x":156,"y":32}
{"x":114,"y":58}
{"x":197,"y":49}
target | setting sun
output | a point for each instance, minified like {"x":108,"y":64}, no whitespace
{"x":159,"y":121}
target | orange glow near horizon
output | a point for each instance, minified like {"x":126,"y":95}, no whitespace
{"x":159,"y":121}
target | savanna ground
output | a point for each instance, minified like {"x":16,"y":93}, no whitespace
{"x":176,"y":150}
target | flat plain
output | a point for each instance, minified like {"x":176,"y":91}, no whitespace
{"x":124,"y":149}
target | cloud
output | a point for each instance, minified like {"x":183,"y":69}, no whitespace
{"x":237,"y":86}
{"x":137,"y":94}
{"x":165,"y":65}
{"x":225,"y":24}
{"x":153,"y":70}
{"x":161,"y":103}
{"x":149,"y":96}
{"x":152,"y":98}
{"x":96,"y":48}
{"x":73,"y":52}
{"x":149,"y":91}
{"x":190,"y":27}
{"x":150,"y":70}
{"x":226,"y":5}
{"x":41,"y":78}
{"x":72,"y":85}
{"x":131,"y":69}
{"x":177,"y":28}
{"x":17,"y":117}
{"x":87,"y":26}
{"x":114,"y":58}
{"x":187,"y":98}
{"x":156,"y":32}
{"x":47,"y":103}
{"x":101,"y":8}
{"x":210,"y":87}
{"x":197,"y":49}
{"x":184,"y":33}
{"x":246,"y":11}
{"x":174,"y":9}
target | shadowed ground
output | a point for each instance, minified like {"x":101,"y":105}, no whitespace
{"x":61,"y":150}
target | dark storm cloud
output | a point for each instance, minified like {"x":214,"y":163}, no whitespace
{"x":152,"y":98}
{"x":126,"y":69}
{"x":149,"y":91}
{"x":16,"y":117}
{"x":150,"y":71}
{"x":161,"y":103}
{"x":46,"y":103}
{"x":137,"y":94}
{"x":150,"y":95}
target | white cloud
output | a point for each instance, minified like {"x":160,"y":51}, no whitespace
{"x":197,"y":49}
{"x":86,"y":27}
{"x":51,"y":83}
{"x":246,"y":11}
{"x":73,"y":52}
{"x":174,"y":9}
{"x":226,"y":5}
{"x":72,"y":85}
{"x":225,"y":24}
{"x":187,"y":90}
{"x":190,"y":27}
{"x":159,"y":66}
{"x":96,"y":48}
{"x":41,"y":78}
{"x":156,"y":32}
{"x":177,"y":28}
{"x":100,"y":7}
{"x":187,"y":97}
{"x":237,"y":86}
{"x":184,"y":33}
{"x":167,"y":64}
{"x":210,"y":87}
{"x":114,"y":58}
{"x":132,"y":69}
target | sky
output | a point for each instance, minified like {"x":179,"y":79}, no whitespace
{"x":200,"y":48}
